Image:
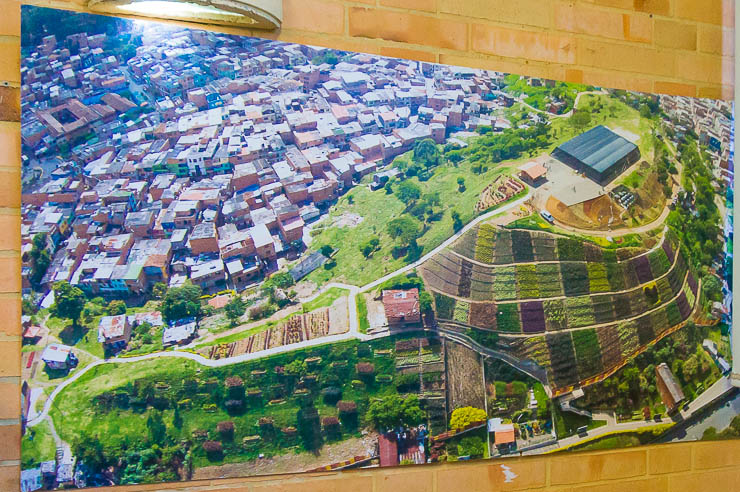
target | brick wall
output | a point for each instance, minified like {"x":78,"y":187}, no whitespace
{"x":669,"y":46}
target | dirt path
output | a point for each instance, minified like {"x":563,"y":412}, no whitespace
{"x":292,"y":462}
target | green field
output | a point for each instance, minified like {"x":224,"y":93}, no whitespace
{"x":37,"y":445}
{"x":325,"y":299}
{"x":377,"y":208}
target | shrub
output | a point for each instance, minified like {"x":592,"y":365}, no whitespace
{"x":226,"y":429}
{"x":331,"y":395}
{"x":214,"y":449}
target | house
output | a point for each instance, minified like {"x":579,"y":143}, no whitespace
{"x":180,"y":334}
{"x":31,"y":480}
{"x":59,"y":357}
{"x":504,"y":435}
{"x":402,"y":306}
{"x":533,"y":173}
{"x":669,"y":389}
{"x":114,"y":332}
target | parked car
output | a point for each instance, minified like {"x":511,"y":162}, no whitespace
{"x":547,"y":216}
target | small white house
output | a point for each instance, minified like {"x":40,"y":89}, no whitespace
{"x":57,"y":356}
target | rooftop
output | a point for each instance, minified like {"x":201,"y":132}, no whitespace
{"x":598,"y":148}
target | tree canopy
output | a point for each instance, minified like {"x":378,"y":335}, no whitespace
{"x":394,"y":411}
{"x":235,"y":309}
{"x":181,"y":302}
{"x":464,"y":416}
{"x":403,"y":228}
{"x":69,"y":301}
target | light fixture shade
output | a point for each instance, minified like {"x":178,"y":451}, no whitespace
{"x":256,"y":14}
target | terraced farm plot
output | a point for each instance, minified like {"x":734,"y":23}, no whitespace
{"x":555,"y":314}
{"x":628,"y":337}
{"x":504,"y":283}
{"x":611,"y":348}
{"x":691,"y":281}
{"x":484,"y":244}
{"x":527,"y":281}
{"x":483,"y":315}
{"x":481,"y":288}
{"x":615,"y":276}
{"x":690,"y":298}
{"x":575,"y":278}
{"x":443,"y":272}
{"x":624,"y":254}
{"x":534,"y":348}
{"x":562,"y":359}
{"x":645,"y":332}
{"x":579,"y":311}
{"x":570,"y":249}
{"x":659,"y":321}
{"x":684,"y":304}
{"x":466,"y":279}
{"x":503,"y":248}
{"x":460,"y":314}
{"x":521,"y":246}
{"x":545,"y":247}
{"x":444,"y":306}
{"x":659,"y":262}
{"x":533,"y":317}
{"x":629,"y":275}
{"x":665,"y":292}
{"x":466,"y":244}
{"x":588,"y":353}
{"x":597,"y":278}
{"x":668,"y":249}
{"x":673,"y":313}
{"x":507,"y":318}
{"x":621,"y":305}
{"x":641,"y":265}
{"x":592,"y":253}
{"x":548,"y":278}
{"x":603,"y":307}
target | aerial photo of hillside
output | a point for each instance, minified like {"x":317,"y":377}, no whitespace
{"x":247,"y":257}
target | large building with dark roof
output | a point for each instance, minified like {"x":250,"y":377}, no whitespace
{"x":599,"y":153}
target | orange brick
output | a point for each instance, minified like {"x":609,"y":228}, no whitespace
{"x":408,"y":54}
{"x":582,"y":19}
{"x":341,"y":483}
{"x":574,"y":76}
{"x":590,"y":468}
{"x":520,"y":12}
{"x":10,"y":188}
{"x":669,"y":459}
{"x":724,"y":480}
{"x":726,"y":92}
{"x":521,"y":474}
{"x":706,"y":68}
{"x":11,"y":227}
{"x":10,"y":274}
{"x":513,"y":43}
{"x":404,"y":480}
{"x":10,"y":314}
{"x":10,"y":362}
{"x":10,"y":478}
{"x":717,"y":454}
{"x":10,"y":104}
{"x":426,"y":5}
{"x":10,"y":145}
{"x":313,"y":15}
{"x":508,"y":65}
{"x":10,"y":403}
{"x":10,"y":436}
{"x":675,"y":88}
{"x":10,"y":21}
{"x":407,"y":28}
{"x":661,"y":7}
{"x":716,"y":40}
{"x":673,"y":34}
{"x":653,"y":484}
{"x":617,"y":80}
{"x":10,"y":54}
{"x":644,"y":60}
{"x":710,"y":11}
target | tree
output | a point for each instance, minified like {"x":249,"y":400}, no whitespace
{"x":157,"y":428}
{"x":425,"y":301}
{"x":116,"y":307}
{"x":177,"y":418}
{"x":408,"y":192}
{"x":580,"y":119}
{"x":235,"y":309}
{"x":309,"y":426}
{"x":462,"y":417}
{"x":159,"y":290}
{"x":283,"y":280}
{"x":460,"y":184}
{"x":426,"y":152}
{"x":181,"y":302}
{"x":471,"y":446}
{"x":69,"y":301}
{"x":296,"y":368}
{"x":370,"y":246}
{"x":404,"y":228}
{"x":393,"y":411}
{"x":457,"y":223}
{"x":40,"y":259}
{"x":326,"y":250}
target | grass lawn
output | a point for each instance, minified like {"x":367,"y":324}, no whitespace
{"x":37,"y":445}
{"x":377,"y":208}
{"x":362,"y":313}
{"x":566,"y":423}
{"x":623,"y":439}
{"x":325,"y":299}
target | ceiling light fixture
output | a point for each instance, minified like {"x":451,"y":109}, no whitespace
{"x":255,"y":14}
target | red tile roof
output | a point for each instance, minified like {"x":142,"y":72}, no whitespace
{"x":401,"y":303}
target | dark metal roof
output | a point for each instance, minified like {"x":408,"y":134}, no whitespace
{"x":599,"y":148}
